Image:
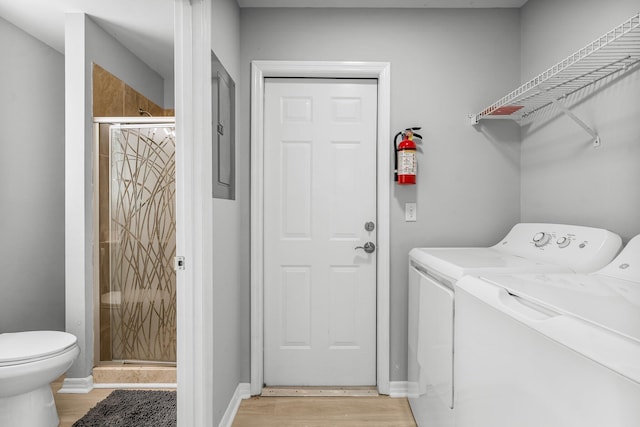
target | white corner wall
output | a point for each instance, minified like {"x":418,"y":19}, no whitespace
{"x":31,"y":183}
{"x":230,"y":228}
{"x":86,"y":43}
{"x":445,"y":64}
{"x":210,"y":350}
{"x":564,"y":178}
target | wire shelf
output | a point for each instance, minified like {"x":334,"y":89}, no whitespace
{"x":616,"y":51}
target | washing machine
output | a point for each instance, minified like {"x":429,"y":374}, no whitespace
{"x":528,"y":247}
{"x":553,"y":350}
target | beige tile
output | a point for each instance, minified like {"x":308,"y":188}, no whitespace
{"x":155,"y":110}
{"x":133,"y":102}
{"x":134,"y":374}
{"x":108,"y":93}
{"x":105,"y":332}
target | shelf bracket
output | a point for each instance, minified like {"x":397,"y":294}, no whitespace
{"x":566,"y":111}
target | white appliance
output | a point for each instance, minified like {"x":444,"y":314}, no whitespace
{"x":552,"y":350}
{"x":528,"y":247}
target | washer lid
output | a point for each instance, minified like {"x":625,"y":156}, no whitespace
{"x":609,"y":302}
{"x":22,"y":346}
{"x":456,"y":262}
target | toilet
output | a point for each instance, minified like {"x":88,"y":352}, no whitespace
{"x":29,"y":362}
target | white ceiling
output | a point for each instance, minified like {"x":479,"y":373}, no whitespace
{"x":146,"y":26}
{"x":384,"y":3}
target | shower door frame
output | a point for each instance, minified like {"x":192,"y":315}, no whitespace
{"x":97,"y":121}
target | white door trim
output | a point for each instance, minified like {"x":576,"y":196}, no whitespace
{"x":192,"y":36}
{"x":259,"y":71}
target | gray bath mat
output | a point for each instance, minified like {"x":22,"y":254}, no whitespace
{"x":133,"y":408}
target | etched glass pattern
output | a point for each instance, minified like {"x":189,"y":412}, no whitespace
{"x":143,"y":244}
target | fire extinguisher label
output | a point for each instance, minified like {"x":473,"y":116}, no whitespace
{"x":407,"y":164}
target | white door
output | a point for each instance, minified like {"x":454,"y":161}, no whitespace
{"x":320,"y":191}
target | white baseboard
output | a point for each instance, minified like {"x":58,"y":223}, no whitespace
{"x":77,"y":385}
{"x":398,"y":388}
{"x":243,"y":391}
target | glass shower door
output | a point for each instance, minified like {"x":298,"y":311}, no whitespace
{"x":143,"y":242}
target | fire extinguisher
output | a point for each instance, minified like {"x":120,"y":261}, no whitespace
{"x":406,"y":162}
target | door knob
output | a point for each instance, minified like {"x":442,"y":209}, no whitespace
{"x":368,"y":247}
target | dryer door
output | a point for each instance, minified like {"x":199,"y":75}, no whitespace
{"x":434,"y":347}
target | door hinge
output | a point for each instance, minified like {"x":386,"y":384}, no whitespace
{"x":178,"y":263}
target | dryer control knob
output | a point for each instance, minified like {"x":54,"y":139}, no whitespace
{"x":563,"y":242}
{"x":540,"y":239}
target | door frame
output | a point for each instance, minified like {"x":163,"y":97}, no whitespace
{"x":320,"y":69}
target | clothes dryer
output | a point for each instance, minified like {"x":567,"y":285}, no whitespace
{"x":553,"y":350}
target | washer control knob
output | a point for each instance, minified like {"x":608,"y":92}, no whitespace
{"x":563,"y":242}
{"x":540,"y":239}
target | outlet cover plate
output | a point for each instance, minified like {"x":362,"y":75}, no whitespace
{"x":410,"y":212}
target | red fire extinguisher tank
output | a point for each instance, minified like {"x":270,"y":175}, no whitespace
{"x":407,"y":162}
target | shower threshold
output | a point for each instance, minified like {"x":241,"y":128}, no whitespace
{"x":144,"y":362}
{"x":132,"y":373}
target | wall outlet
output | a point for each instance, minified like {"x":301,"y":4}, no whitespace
{"x":410,"y":212}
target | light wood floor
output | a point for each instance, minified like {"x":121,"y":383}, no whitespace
{"x":379,"y":411}
{"x":72,"y":407}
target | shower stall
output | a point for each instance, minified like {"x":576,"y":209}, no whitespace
{"x":135,"y":235}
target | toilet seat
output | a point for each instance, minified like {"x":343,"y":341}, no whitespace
{"x":26,"y":347}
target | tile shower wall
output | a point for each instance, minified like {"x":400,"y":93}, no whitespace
{"x":103,"y":233}
{"x":114,"y":98}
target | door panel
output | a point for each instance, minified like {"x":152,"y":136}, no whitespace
{"x":296,"y":307}
{"x":320,"y":190}
{"x":343,"y":327}
{"x":344,"y":195}
{"x":296,"y":190}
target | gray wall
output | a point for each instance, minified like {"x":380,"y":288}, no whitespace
{"x":111,"y":55}
{"x":445,"y":64}
{"x":31,"y":183}
{"x":565,"y":179}
{"x":230,"y":237}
